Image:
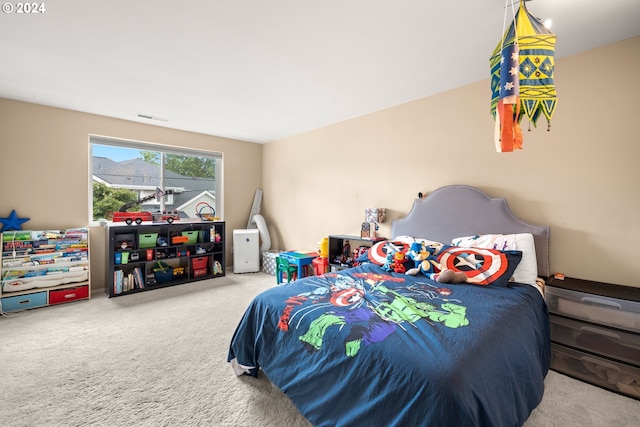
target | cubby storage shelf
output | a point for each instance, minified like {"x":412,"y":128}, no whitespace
{"x":337,"y":248}
{"x":156,"y":255}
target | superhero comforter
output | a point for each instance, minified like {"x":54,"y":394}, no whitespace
{"x":365,"y":347}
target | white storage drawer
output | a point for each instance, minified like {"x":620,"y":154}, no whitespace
{"x":596,"y":370}
{"x":613,"y":343}
{"x":604,"y":310}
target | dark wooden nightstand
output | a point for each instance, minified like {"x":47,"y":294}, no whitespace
{"x":595,"y":333}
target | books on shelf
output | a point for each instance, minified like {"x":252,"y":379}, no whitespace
{"x":126,"y":282}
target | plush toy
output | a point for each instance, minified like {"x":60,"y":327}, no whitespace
{"x":394,"y":261}
{"x":388,"y":261}
{"x":398,"y":262}
{"x":427,"y":264}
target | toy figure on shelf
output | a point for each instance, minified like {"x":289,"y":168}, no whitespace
{"x":217,"y":268}
{"x":206,"y":216}
{"x":123,"y":214}
{"x":346,"y":249}
{"x":345,"y":258}
{"x":355,"y":261}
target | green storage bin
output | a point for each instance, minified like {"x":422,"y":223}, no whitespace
{"x":191,"y":235}
{"x":148,"y":240}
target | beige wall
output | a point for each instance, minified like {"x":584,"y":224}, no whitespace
{"x":582,"y":178}
{"x":45,"y":167}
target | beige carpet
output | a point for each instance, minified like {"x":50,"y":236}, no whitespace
{"x":158,"y":358}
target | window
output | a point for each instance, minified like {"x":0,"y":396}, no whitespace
{"x":130,"y":176}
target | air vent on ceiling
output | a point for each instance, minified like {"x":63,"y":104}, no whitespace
{"x":150,"y":117}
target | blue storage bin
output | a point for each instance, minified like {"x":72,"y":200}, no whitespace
{"x":25,"y":301}
{"x":162,"y":272}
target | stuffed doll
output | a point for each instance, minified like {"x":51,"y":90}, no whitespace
{"x":398,"y":262}
{"x":388,"y":261}
{"x":394,"y":261}
{"x":427,"y":264}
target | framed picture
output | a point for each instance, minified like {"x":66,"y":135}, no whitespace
{"x":376,"y":215}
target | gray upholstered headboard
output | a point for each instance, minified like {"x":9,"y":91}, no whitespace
{"x":460,"y":210}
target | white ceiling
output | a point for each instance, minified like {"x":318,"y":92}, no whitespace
{"x":262,"y":70}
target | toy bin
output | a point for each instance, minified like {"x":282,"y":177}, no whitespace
{"x":192,"y":236}
{"x":269,"y":261}
{"x":320,"y":266}
{"x":200,"y":272}
{"x":179,"y":240}
{"x":199,"y":262}
{"x":162,"y":272}
{"x":147,"y":240}
{"x":199,"y":266}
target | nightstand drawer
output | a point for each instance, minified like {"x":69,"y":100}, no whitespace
{"x":612,"y":343}
{"x":596,"y":370}
{"x":24,"y":301}
{"x":609,"y":311}
{"x":70,"y":294}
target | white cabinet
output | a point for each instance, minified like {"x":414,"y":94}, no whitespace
{"x":246,"y":251}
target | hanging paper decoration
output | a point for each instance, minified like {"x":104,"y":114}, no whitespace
{"x":522,"y":67}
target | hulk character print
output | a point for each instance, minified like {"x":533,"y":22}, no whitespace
{"x":369,"y":308}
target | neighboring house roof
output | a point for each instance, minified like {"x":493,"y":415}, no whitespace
{"x":137,"y":174}
{"x":193,"y":207}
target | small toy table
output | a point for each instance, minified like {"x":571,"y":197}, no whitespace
{"x":300,"y":258}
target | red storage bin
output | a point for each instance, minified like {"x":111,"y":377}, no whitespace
{"x":69,"y":294}
{"x":200,"y":272}
{"x":199,"y":263}
{"x":320,"y":266}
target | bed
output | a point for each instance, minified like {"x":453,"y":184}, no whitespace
{"x":366,"y":346}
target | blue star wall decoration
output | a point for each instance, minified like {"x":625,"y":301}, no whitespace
{"x":12,"y":222}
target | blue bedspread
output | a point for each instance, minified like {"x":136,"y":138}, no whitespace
{"x":362,"y":347}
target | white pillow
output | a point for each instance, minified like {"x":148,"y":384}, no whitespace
{"x":527,"y":270}
{"x":427,"y":242}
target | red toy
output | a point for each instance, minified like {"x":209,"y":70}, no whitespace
{"x":130,"y":217}
{"x":398,"y":262}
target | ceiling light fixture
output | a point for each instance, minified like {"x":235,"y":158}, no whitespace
{"x":150,"y":117}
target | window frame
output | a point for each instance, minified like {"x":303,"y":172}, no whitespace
{"x":161,"y":148}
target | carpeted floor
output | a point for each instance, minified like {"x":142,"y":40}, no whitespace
{"x":158,"y":358}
